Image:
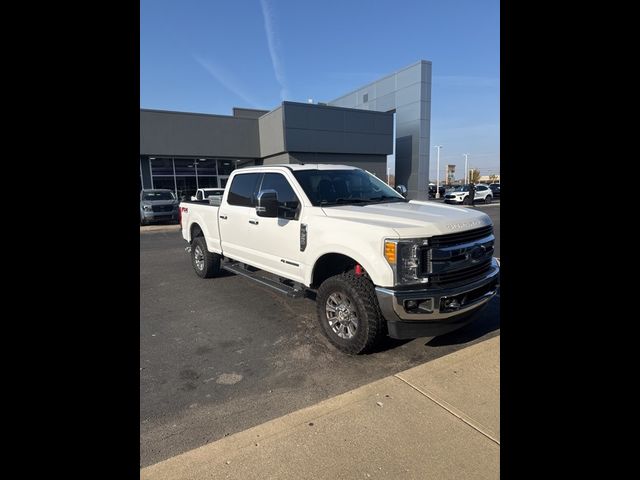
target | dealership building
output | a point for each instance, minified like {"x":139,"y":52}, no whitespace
{"x":366,"y":128}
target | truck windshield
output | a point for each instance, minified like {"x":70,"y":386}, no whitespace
{"x":339,"y":187}
{"x":158,"y":196}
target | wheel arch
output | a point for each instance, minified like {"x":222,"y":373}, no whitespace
{"x":333,"y":263}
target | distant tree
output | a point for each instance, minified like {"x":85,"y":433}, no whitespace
{"x":474,"y":175}
{"x":493,"y":178}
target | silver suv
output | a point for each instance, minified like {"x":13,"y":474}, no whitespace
{"x":158,"y":205}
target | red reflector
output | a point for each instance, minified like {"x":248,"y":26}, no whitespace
{"x":358,"y":270}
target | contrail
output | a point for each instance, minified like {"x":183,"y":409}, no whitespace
{"x":225,"y":79}
{"x":272,"y":41}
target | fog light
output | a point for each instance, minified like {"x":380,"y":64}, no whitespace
{"x":450,"y":305}
{"x":410,"y":304}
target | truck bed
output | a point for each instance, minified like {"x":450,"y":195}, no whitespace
{"x":201,"y":214}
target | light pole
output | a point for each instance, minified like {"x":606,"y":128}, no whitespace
{"x":466,"y":167}
{"x":438,"y":171}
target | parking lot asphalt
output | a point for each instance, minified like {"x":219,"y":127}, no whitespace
{"x":218,"y":356}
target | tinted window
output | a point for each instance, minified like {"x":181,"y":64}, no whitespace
{"x":481,"y":188}
{"x":335,"y":187}
{"x":242,"y":189}
{"x":287,"y":200}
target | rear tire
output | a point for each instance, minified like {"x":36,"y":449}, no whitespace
{"x":361,"y":325}
{"x":205,"y":263}
{"x":487,"y":199}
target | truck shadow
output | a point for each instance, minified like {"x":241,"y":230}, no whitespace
{"x":486,"y":322}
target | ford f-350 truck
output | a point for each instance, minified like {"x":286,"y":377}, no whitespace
{"x":378,"y":263}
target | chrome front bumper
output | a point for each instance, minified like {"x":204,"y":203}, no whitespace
{"x":468,"y":299}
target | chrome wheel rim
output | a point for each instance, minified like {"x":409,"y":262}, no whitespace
{"x":198,"y":257}
{"x":341,"y":315}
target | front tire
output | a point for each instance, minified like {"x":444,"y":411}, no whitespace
{"x":487,"y":199}
{"x":205,"y":263}
{"x":349,"y":314}
{"x":466,"y":201}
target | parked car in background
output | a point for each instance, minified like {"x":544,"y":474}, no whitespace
{"x":460,"y":195}
{"x":495,"y":190}
{"x":158,"y":205}
{"x":432,"y":190}
{"x":204,"y":193}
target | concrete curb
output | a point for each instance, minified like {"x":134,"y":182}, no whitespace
{"x":436,"y":420}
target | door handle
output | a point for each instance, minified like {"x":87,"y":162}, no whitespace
{"x":223,"y":217}
{"x":253,"y":222}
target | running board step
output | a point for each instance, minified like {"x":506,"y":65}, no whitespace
{"x":239,"y":269}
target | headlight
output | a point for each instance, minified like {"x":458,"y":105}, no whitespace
{"x":147,"y":208}
{"x":404,"y":257}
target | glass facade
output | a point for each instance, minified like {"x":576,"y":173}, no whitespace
{"x":185,"y":175}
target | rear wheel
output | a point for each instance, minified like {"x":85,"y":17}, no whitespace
{"x":349,"y":314}
{"x":487,"y":199}
{"x":205,"y":263}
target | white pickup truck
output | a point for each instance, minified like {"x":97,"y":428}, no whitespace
{"x":378,"y":263}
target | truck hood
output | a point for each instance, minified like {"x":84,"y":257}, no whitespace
{"x":413,"y":219}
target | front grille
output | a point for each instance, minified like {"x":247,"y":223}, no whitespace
{"x":460,"y":237}
{"x":460,"y":275}
{"x":162,"y":208}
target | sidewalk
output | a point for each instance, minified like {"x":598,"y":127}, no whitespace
{"x":438,"y":420}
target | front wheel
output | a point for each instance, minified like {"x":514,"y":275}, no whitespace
{"x":487,"y":199}
{"x":205,"y":263}
{"x":466,"y":201}
{"x":349,"y":314}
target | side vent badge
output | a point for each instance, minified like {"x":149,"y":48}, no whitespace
{"x":303,"y":236}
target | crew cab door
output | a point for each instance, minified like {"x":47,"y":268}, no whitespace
{"x":274,"y":243}
{"x":234,"y":213}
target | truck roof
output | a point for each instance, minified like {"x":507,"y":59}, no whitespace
{"x":302,"y":166}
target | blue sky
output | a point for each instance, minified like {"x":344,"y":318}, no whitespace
{"x":209,"y":56}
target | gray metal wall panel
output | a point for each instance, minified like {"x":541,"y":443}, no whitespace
{"x":271,"y":133}
{"x":277,"y":159}
{"x":176,"y":133}
{"x":408,"y":91}
{"x":318,"y":128}
{"x":376,"y":164}
{"x":248,"y":112}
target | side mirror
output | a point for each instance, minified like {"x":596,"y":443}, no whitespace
{"x":402,"y":190}
{"x":267,"y":204}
